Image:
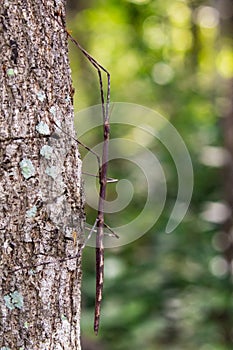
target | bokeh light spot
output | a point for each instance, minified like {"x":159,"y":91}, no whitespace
{"x":179,"y":13}
{"x":154,"y":36}
{"x":221,"y":241}
{"x":207,"y":17}
{"x":214,"y":156}
{"x":218,"y":266}
{"x":216,"y":212}
{"x":162,"y":73}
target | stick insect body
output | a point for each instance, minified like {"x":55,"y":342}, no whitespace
{"x":103,"y":179}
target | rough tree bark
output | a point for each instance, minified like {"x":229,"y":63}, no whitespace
{"x":41,"y":208}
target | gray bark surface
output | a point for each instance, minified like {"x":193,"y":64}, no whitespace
{"x":41,"y":205}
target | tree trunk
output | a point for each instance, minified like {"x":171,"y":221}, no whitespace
{"x":41,"y":207}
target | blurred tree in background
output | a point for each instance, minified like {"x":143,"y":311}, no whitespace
{"x":165,"y":291}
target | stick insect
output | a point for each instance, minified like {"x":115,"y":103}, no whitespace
{"x":103,"y":179}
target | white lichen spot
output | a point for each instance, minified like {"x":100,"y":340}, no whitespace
{"x":67,"y":99}
{"x":27,"y":168}
{"x":6,"y":247}
{"x":17,"y":299}
{"x":31,"y":213}
{"x":52,"y":171}
{"x":5,"y":348}
{"x":8,"y":302}
{"x":10,"y":72}
{"x":46,"y":151}
{"x":26,"y":325}
{"x":53,"y":110}
{"x":63,"y":318}
{"x":14,"y":300}
{"x":41,"y":96}
{"x":43,"y":128}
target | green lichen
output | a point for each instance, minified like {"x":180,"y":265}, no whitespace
{"x":14,"y":300}
{"x":31,"y":213}
{"x":27,"y":168}
{"x":43,"y":128}
{"x":52,"y":171}
{"x":46,"y":151}
{"x":10,"y":72}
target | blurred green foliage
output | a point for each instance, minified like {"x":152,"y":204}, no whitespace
{"x":162,"y":291}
